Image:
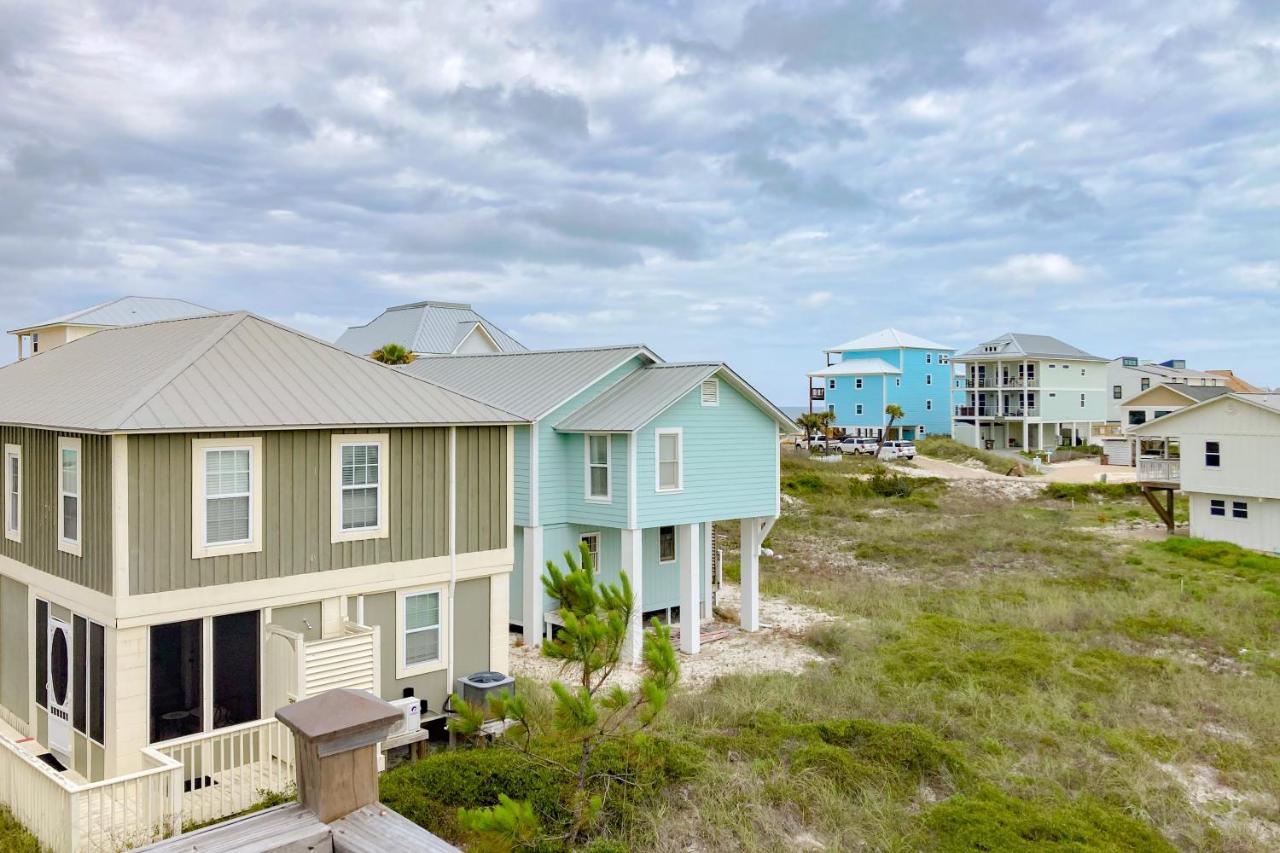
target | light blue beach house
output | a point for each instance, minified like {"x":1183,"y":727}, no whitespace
{"x":637,"y":458}
{"x":866,"y":374}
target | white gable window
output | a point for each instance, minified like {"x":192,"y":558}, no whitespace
{"x":422,"y":641}
{"x":359,"y":502}
{"x":226,"y":516}
{"x":711,"y":392}
{"x":13,"y":492}
{"x":670,"y":473}
{"x":69,"y":509}
{"x":598,"y":459}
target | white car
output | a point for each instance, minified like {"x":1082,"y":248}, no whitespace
{"x":813,"y":442}
{"x":898,"y":450}
{"x":866,"y":446}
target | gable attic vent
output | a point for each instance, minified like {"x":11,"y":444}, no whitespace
{"x":711,"y":392}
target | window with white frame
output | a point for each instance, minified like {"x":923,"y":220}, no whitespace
{"x":1213,"y":454}
{"x":897,"y":382}
{"x":831,"y":385}
{"x":359,"y":501}
{"x":422,"y":646}
{"x":1217,"y":507}
{"x":670,"y":463}
{"x":928,"y":379}
{"x":711,"y":392}
{"x":13,"y":492}
{"x":226,"y":515}
{"x":928,"y":405}
{"x":1239,"y":509}
{"x":598,"y":454}
{"x":928,"y":358}
{"x":857,"y":383}
{"x":858,"y":408}
{"x":1082,"y":401}
{"x":667,"y":544}
{"x":227,"y":497}
{"x":592,"y":541}
{"x":1117,"y":392}
{"x":69,"y":508}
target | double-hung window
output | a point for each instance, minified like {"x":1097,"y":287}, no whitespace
{"x":1217,"y":507}
{"x":227,"y":497}
{"x":670,"y":462}
{"x":858,"y":408}
{"x":69,"y":509}
{"x":227,"y":488}
{"x":928,"y":379}
{"x":359,"y":500}
{"x":423,"y":635}
{"x":1117,"y":392}
{"x":592,"y":541}
{"x":13,"y":492}
{"x":598,"y":453}
{"x":857,"y":382}
{"x":1239,"y":509}
{"x":1212,"y":454}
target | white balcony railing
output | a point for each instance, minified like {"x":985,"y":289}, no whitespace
{"x":115,"y":814}
{"x":1154,"y":469}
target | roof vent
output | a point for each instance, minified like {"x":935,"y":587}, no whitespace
{"x":711,"y":392}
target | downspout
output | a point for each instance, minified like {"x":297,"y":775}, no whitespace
{"x":453,"y":548}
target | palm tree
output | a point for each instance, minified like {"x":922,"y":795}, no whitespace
{"x":392,"y":354}
{"x":894,"y":411}
{"x":812,"y":422}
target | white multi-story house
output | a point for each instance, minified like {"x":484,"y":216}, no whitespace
{"x":35,"y":338}
{"x":1129,"y":375}
{"x":1224,"y":453}
{"x":1029,"y":392}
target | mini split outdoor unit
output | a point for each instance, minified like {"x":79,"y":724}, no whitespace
{"x":477,"y":688}
{"x":410,"y":709}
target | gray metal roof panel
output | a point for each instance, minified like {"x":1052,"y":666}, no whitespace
{"x":530,"y":384}
{"x":127,"y":311}
{"x":646,"y":393}
{"x":1031,"y":346}
{"x":423,"y":327}
{"x":226,"y":371}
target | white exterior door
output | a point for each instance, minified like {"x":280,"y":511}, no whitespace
{"x":60,"y":688}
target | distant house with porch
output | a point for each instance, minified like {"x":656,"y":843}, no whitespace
{"x":429,"y":328}
{"x":1029,"y":392}
{"x":1224,"y":453}
{"x":205,"y":520}
{"x":1129,"y":375}
{"x":1122,"y":448}
{"x":41,"y":337}
{"x":866,"y":374}
{"x":637,"y":458}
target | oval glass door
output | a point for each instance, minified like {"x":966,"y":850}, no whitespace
{"x":60,"y":690}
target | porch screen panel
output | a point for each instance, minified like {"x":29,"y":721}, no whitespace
{"x":97,"y":674}
{"x":80,"y":672}
{"x":42,"y":653}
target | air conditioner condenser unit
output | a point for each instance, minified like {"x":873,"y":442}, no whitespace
{"x":476,"y":689}
{"x":411,"y":716}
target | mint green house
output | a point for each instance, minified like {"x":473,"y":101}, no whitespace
{"x":635,"y":457}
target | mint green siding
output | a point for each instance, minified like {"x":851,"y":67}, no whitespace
{"x":521,"y":473}
{"x":612,"y":512}
{"x":560,"y":456}
{"x":730,"y":462}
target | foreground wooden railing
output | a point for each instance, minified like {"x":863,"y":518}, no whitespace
{"x":1157,"y":470}
{"x":228,"y":770}
{"x":111,"y":815}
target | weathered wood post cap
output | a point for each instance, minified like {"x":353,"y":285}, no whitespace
{"x":336,"y":734}
{"x":340,"y":720}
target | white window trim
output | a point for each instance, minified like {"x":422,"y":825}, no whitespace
{"x":675,"y":537}
{"x":68,"y":546}
{"x":702,"y":396}
{"x":12,"y":451}
{"x":253,"y":544}
{"x":857,"y":408}
{"x":442,"y":661}
{"x":857,"y":383}
{"x":607,"y":497}
{"x":336,"y":443}
{"x":678,"y":432}
{"x":582,"y":537}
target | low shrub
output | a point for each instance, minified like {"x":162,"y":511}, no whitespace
{"x":942,"y":447}
{"x":990,"y":820}
{"x":14,"y":836}
{"x":1086,"y":491}
{"x":952,"y":652}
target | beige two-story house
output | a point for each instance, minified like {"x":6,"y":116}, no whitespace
{"x":206,"y":519}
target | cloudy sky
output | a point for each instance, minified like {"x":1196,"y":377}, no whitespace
{"x":748,"y":181}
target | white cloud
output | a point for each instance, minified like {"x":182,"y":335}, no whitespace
{"x":1049,"y":268}
{"x":817,"y":299}
{"x":1262,"y":276}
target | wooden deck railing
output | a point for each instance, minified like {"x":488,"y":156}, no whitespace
{"x":1154,"y":469}
{"x":110,"y":815}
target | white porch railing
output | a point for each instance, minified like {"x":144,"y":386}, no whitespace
{"x":111,"y":815}
{"x":1154,"y":469}
{"x":228,"y":770}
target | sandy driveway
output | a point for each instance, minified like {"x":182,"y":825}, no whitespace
{"x":1077,"y":471}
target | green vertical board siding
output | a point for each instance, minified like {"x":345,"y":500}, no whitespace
{"x":471,"y":627}
{"x":15,"y":678}
{"x":296,"y":497}
{"x":300,"y":618}
{"x":41,"y":514}
{"x":483,"y":520}
{"x":730,"y":464}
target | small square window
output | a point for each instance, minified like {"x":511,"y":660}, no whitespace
{"x":831,"y":384}
{"x":857,"y":383}
{"x":667,"y":544}
{"x":1212,"y":454}
{"x":1217,"y":507}
{"x":1239,"y":509}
